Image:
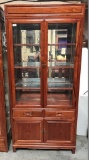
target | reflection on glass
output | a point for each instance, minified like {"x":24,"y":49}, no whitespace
{"x":6,"y":86}
{"x":61,"y":52}
{"x":61,"y":42}
{"x":26,"y":46}
{"x":64,"y":56}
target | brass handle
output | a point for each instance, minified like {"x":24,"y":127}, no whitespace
{"x":29,"y":114}
{"x":58,"y":114}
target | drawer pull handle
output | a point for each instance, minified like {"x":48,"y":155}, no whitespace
{"x":28,"y":114}
{"x":59,"y":114}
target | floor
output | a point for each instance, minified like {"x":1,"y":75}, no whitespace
{"x":26,"y":154}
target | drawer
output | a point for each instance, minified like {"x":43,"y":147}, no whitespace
{"x":27,"y":113}
{"x":61,"y":114}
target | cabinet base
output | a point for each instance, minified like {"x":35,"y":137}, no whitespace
{"x":72,"y":148}
{"x":3,"y":145}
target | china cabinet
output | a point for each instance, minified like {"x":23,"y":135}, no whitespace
{"x":44,"y":45}
{"x":4,"y":100}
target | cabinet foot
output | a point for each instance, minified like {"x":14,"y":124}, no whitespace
{"x":73,"y":151}
{"x":14,"y":149}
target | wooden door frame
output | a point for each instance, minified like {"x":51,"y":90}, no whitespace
{"x":11,"y":57}
{"x":79,"y":21}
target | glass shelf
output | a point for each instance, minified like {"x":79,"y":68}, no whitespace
{"x":62,"y":44}
{"x":28,"y":82}
{"x":21,"y":44}
{"x":59,"y":83}
{"x":56,"y":44}
{"x":60,"y":64}
{"x":27,"y":64}
{"x":56,"y":83}
{"x":55,"y":64}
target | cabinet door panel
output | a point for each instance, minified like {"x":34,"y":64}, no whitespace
{"x":27,"y":64}
{"x":59,"y":131}
{"x":60,"y":57}
{"x":29,"y":131}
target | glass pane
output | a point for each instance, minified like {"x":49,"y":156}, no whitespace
{"x":61,"y":52}
{"x":27,"y":63}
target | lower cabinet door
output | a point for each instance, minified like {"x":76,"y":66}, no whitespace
{"x":28,"y":131}
{"x":59,"y":131}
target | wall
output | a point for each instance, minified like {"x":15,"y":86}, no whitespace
{"x":86,"y":25}
{"x":24,"y":2}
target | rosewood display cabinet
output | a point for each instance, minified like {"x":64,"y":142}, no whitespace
{"x":4,"y":92}
{"x":44,"y":56}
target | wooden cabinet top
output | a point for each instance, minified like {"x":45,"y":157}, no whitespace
{"x":26,"y":10}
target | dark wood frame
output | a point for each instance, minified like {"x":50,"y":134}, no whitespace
{"x":45,"y":14}
{"x":3,"y":132}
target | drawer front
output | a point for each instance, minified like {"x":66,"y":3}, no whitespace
{"x":27,"y":113}
{"x":60,"y":114}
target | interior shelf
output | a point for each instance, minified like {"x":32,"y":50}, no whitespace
{"x":54,"y":65}
{"x":35,"y":99}
{"x":62,"y":44}
{"x":58,"y":64}
{"x":53,"y":83}
{"x":27,"y":65}
{"x":56,"y":44}
{"x":26,"y":44}
{"x":61,"y":100}
{"x":29,"y":99}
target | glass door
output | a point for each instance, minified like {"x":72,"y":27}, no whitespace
{"x":38,"y":83}
{"x":27,"y":68}
{"x":60,"y":70}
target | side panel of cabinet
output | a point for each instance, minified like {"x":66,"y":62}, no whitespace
{"x":0,"y":110}
{"x":3,"y":134}
{"x":28,"y":131}
{"x":59,"y":131}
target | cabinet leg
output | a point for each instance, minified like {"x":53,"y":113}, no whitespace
{"x":14,"y":149}
{"x":73,"y":151}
